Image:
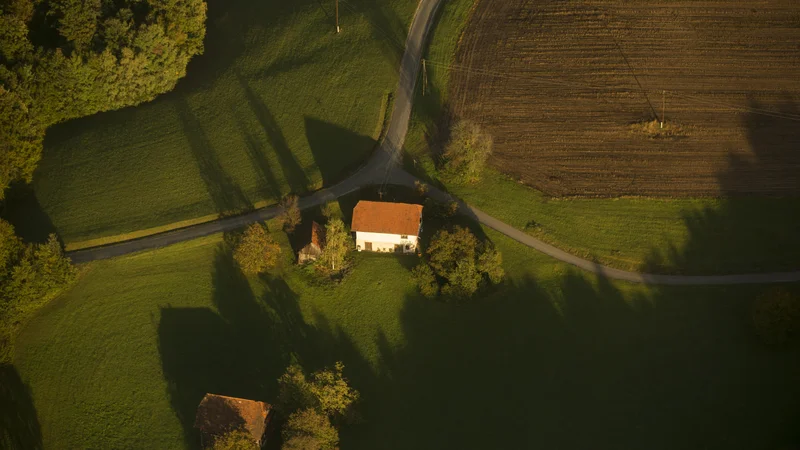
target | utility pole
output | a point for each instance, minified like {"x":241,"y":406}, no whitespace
{"x":424,"y":76}
{"x":663,"y":107}
{"x":337,"y":16}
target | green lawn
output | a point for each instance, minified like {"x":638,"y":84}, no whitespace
{"x":551,"y":359}
{"x":278,"y":103}
{"x":691,"y":236}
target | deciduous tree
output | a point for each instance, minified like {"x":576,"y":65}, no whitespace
{"x":327,"y":391}
{"x":337,"y":246}
{"x":467,"y":151}
{"x":256,"y":252}
{"x":238,"y":439}
{"x":462,"y":262}
{"x":309,"y":429}
{"x":290,"y":213}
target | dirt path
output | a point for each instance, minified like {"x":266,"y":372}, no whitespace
{"x":384,"y":167}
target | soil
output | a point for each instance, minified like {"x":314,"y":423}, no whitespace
{"x":570,"y":91}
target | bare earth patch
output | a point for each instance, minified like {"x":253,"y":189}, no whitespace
{"x":559,"y":85}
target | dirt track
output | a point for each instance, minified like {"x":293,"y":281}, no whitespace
{"x":560,"y":83}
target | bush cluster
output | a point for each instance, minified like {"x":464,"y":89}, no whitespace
{"x":457,"y":264}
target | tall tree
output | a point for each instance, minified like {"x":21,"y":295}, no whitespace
{"x":337,"y":246}
{"x":467,"y":151}
{"x":77,"y":21}
{"x":256,"y":252}
{"x":20,"y":140}
{"x":458,"y":258}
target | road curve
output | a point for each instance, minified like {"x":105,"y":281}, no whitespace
{"x":384,"y":167}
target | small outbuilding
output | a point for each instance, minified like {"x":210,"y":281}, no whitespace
{"x":387,"y":226}
{"x":219,"y":414}
{"x":315,"y":245}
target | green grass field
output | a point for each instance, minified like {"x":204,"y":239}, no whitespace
{"x":552,"y":358}
{"x":689,"y":236}
{"x":278,"y":103}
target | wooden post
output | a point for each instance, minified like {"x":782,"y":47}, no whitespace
{"x":337,"y":16}
{"x":424,"y":77}
{"x":663,"y":107}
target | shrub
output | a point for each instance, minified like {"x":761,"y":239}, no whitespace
{"x":775,"y":316}
{"x":256,"y":252}
{"x":327,"y":391}
{"x":425,"y":280}
{"x":235,"y":440}
{"x":290,"y":213}
{"x":466,"y":153}
{"x":309,"y":429}
{"x":458,"y":258}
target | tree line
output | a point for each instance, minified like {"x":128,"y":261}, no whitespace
{"x":30,"y":275}
{"x":63,"y":59}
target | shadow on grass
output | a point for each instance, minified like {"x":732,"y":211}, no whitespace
{"x":241,"y":348}
{"x":19,"y":424}
{"x":747,"y":233}
{"x":525,"y":369}
{"x":337,"y":151}
{"x":223,"y":191}
{"x":292,"y":171}
{"x":387,"y":28}
{"x":22,"y":209}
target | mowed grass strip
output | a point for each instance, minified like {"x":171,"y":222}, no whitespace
{"x":123,"y":359}
{"x":278,"y":103}
{"x":688,"y":236}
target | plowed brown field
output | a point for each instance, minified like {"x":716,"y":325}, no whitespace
{"x":562,"y":85}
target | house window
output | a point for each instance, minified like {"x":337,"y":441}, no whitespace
{"x":403,"y":236}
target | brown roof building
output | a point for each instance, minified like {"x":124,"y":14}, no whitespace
{"x":386,"y":226}
{"x":218,"y":414}
{"x":316,"y":244}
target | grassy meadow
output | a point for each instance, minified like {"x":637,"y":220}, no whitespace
{"x":688,"y":236}
{"x":278,"y":103}
{"x":123,"y":359}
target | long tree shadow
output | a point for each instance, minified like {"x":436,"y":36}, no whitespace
{"x":387,"y":28}
{"x":268,"y":185}
{"x":292,"y":171}
{"x":751,"y":232}
{"x":590,"y":367}
{"x":19,"y":424}
{"x":223,"y":191}
{"x":337,"y":151}
{"x":240,"y":347}
{"x":22,"y":209}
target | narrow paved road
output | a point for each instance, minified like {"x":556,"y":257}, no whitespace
{"x":384,"y":166}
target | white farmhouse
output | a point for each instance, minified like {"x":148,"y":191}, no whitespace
{"x":387,"y":227}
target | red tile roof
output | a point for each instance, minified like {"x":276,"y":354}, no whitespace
{"x":386,"y":217}
{"x":218,"y":414}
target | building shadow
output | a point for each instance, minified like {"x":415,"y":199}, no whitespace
{"x":19,"y":424}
